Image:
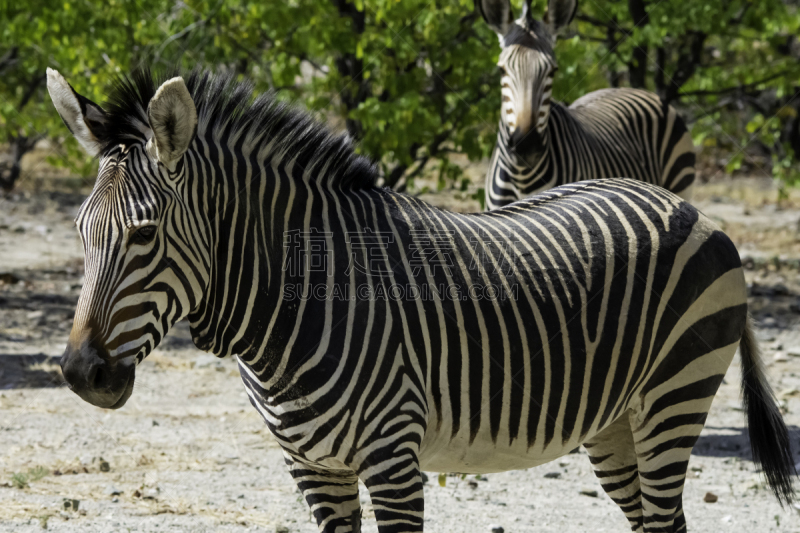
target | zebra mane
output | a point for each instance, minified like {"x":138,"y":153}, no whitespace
{"x":226,"y":109}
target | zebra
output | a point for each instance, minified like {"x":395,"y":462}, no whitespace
{"x":608,"y":133}
{"x":602,"y":313}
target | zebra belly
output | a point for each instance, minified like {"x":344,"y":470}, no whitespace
{"x":439,"y":453}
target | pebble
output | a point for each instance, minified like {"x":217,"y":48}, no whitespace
{"x":768,"y":322}
{"x":281,"y":529}
{"x":71,"y":504}
{"x":553,"y":475}
{"x":113,"y":491}
{"x":780,"y":357}
{"x":207,"y":360}
{"x":788,"y":393}
{"x":794,"y":351}
{"x":494,"y":528}
{"x":710,"y":497}
{"x":589,"y":492}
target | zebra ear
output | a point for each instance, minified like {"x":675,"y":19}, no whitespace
{"x":497,"y":14}
{"x":173,"y":119}
{"x":84,"y":119}
{"x":559,"y":14}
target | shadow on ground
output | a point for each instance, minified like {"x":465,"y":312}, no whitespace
{"x":29,"y":371}
{"x":735,"y":443}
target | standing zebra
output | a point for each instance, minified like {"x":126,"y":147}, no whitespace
{"x":605,"y":134}
{"x":377,"y":335}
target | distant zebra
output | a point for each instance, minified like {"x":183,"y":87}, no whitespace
{"x":605,"y":134}
{"x":377,"y":335}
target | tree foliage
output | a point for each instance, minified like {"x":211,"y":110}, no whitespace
{"x":412,"y":81}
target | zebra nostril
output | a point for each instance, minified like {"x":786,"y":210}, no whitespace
{"x":97,"y":377}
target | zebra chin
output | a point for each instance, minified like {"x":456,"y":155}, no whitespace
{"x":91,"y":374}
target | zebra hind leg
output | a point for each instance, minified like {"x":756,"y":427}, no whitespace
{"x":666,"y":428}
{"x":331,"y":495}
{"x":614,"y":461}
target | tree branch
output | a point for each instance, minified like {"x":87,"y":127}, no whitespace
{"x":737,"y":88}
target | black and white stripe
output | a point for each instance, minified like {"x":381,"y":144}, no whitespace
{"x":624,"y":306}
{"x":608,"y":133}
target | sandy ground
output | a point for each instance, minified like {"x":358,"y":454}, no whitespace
{"x":188,"y":452}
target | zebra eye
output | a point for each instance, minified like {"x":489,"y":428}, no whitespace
{"x":143,"y":235}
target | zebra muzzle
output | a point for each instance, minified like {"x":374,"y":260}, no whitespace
{"x":94,"y":378}
{"x":525,"y":143}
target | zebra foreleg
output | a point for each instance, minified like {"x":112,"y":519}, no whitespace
{"x":614,"y":461}
{"x":331,"y":495}
{"x":395,"y":488}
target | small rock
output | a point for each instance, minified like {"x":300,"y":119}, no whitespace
{"x":155,"y":423}
{"x":71,"y":505}
{"x":472,"y":484}
{"x":794,"y":351}
{"x":104,"y":466}
{"x":113,"y":491}
{"x":780,"y":357}
{"x":781,"y":290}
{"x":494,"y":528}
{"x":114,"y":499}
{"x":710,"y":497}
{"x":764,"y":337}
{"x":151,"y":494}
{"x":767,"y":322}
{"x":697,"y":468}
{"x":553,"y":475}
{"x":281,"y":529}
{"x":563,"y":463}
{"x":9,"y":279}
{"x":207,"y":360}
{"x":589,"y":492}
{"x":788,"y":393}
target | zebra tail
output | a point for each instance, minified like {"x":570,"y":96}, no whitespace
{"x":769,"y":438}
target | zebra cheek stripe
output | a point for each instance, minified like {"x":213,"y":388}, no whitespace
{"x":378,"y":336}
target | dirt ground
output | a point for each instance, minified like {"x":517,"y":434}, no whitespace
{"x":188,"y":452}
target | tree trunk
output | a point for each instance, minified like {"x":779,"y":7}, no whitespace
{"x":658,"y":77}
{"x":350,"y":66}
{"x":688,"y":61}
{"x":637,"y":68}
{"x":10,"y":172}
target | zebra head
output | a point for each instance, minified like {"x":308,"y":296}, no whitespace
{"x":528,"y":64}
{"x":141,"y":275}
